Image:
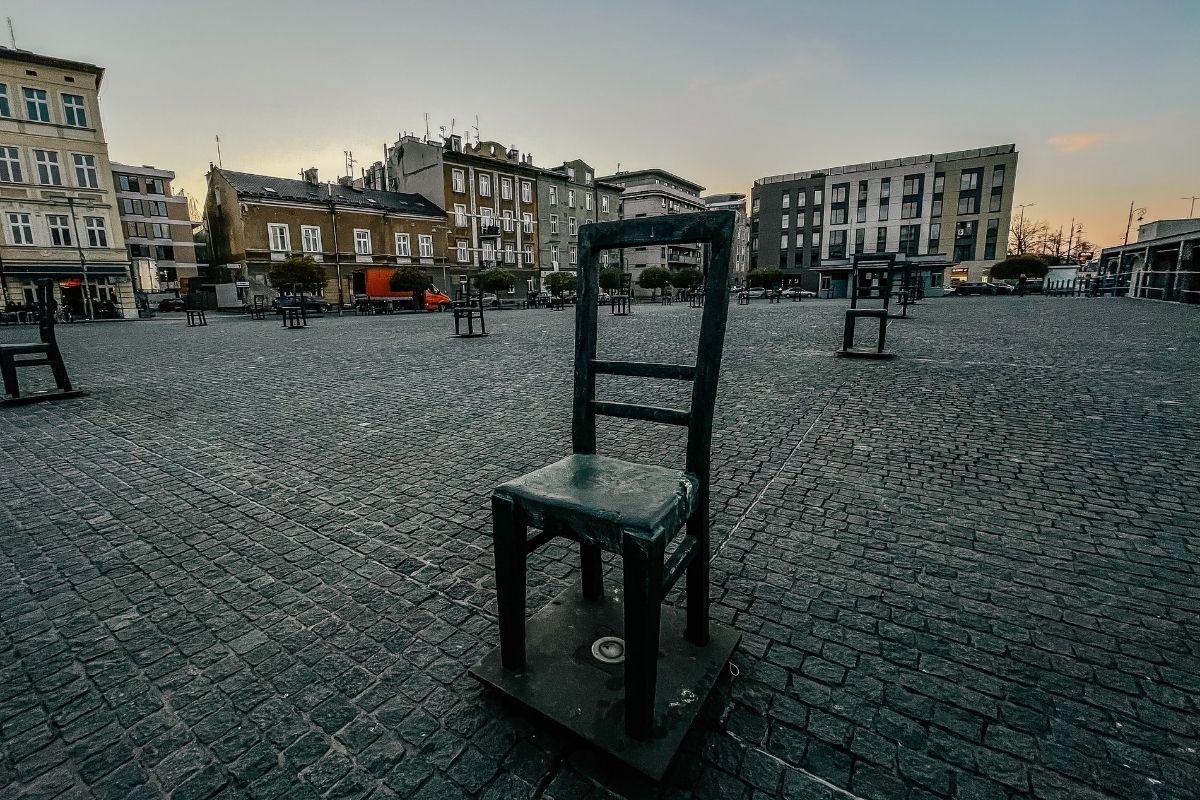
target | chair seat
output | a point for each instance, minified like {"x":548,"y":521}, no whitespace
{"x":24,"y":347}
{"x":600,"y":499}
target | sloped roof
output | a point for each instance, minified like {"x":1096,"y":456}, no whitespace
{"x":296,"y":191}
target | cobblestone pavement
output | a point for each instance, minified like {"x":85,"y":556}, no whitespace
{"x":256,"y":562}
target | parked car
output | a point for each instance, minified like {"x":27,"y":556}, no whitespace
{"x":1003,"y":288}
{"x":757,"y":293}
{"x":314,"y":304}
{"x":172,"y":304}
{"x":796,"y":291}
{"x":974,"y":287}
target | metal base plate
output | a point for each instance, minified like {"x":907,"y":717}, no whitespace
{"x":563,"y":681}
{"x":41,"y":397}
{"x":866,"y":354}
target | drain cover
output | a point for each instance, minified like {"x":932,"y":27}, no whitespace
{"x":609,"y":649}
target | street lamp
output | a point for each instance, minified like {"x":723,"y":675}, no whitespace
{"x":1191,"y":209}
{"x":1141,"y":213}
{"x":87,"y":289}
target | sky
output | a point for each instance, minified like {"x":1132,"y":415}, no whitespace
{"x":1100,"y":97}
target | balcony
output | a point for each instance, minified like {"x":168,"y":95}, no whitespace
{"x":487,"y":229}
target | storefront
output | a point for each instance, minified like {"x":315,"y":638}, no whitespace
{"x":106,"y":290}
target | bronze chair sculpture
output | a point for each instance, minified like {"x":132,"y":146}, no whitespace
{"x":630,"y":509}
{"x":47,"y":348}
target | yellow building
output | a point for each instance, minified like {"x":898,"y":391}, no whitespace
{"x":58,"y":206}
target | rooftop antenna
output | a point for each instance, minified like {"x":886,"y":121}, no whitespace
{"x":442,"y":130}
{"x":220,"y":163}
{"x":427,"y":126}
{"x":350,"y":162}
{"x":452,"y":121}
{"x":477,"y":139}
{"x":12,"y":37}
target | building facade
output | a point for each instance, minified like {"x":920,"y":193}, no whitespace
{"x":489,"y":193}
{"x":1163,"y":264}
{"x":57,"y":200}
{"x":157,"y":230}
{"x":735,"y":202}
{"x":570,"y":197}
{"x":951,"y":207}
{"x":256,"y":220}
{"x":654,"y":193}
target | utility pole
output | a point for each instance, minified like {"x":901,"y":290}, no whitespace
{"x":1192,"y":208}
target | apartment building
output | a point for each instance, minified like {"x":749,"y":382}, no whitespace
{"x":58,"y":206}
{"x":653,"y":193}
{"x":946,"y":208}
{"x":489,"y":193}
{"x":158,"y":233}
{"x":256,"y":220}
{"x":570,"y":197}
{"x":740,"y":263}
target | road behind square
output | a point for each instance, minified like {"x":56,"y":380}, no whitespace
{"x":256,"y":562}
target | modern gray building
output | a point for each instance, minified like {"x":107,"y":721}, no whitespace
{"x":569,"y":197}
{"x":947,"y":207}
{"x":655,"y":193}
{"x":736,"y":202}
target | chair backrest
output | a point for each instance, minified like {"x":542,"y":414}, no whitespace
{"x":46,"y":308}
{"x":714,"y":228}
{"x":872,"y":263}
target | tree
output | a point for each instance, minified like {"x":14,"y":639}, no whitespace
{"x":1015,"y":266}
{"x":654,"y":278}
{"x":496,"y":280}
{"x":559,"y":282}
{"x":685,"y":278}
{"x":610,"y":278}
{"x":1027,"y":235}
{"x":764,"y":278}
{"x":296,"y":274}
{"x":410,"y":278}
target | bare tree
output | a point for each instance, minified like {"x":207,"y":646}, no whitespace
{"x":1027,"y":235}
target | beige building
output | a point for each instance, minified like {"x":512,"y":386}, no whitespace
{"x":58,"y":206}
{"x":157,"y":230}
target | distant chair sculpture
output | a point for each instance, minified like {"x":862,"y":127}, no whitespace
{"x":877,"y":269}
{"x":696,"y":298}
{"x":47,"y":348}
{"x":620,"y":303}
{"x":469,"y":310}
{"x":196,"y":318}
{"x":258,"y":308}
{"x":633,"y":510}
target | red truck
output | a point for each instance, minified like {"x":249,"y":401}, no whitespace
{"x":372,"y":285}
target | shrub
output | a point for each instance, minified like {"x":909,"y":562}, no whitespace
{"x":497,"y":280}
{"x":764,"y":278}
{"x":559,"y":282}
{"x":298,"y":273}
{"x":1016,"y":266}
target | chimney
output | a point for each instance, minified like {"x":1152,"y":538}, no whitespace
{"x":514,"y":154}
{"x":310,"y":176}
{"x":454,"y":143}
{"x":345,"y":180}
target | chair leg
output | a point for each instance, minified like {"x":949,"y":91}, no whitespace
{"x":697,"y":578}
{"x":59,"y":369}
{"x":643,"y":615}
{"x":593,"y":571}
{"x":508,"y":547}
{"x":9,"y":370}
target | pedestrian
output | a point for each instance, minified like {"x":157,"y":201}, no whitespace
{"x":1021,"y":285}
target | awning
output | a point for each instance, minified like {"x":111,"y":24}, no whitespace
{"x":98,"y":270}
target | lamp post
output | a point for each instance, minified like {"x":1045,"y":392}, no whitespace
{"x":1192,"y":208}
{"x":87,"y":289}
{"x":1141,"y":213}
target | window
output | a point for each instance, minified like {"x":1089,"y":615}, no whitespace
{"x":799,"y":240}
{"x":968,"y":205}
{"x":526,"y":192}
{"x":571,"y":174}
{"x":554,"y":255}
{"x":574,"y":254}
{"x":994,"y":202}
{"x":507,"y":216}
{"x":570,"y":226}
{"x":587,"y":201}
{"x":964,"y":240}
{"x":489,"y":253}
{"x":47,"y":167}
{"x":425,"y":242}
{"x":362,"y":242}
{"x":310,"y":238}
{"x":860,"y":240}
{"x":801,"y":197}
{"x":527,"y":223}
{"x":460,"y":215}
{"x":910,"y":209}
{"x":164,"y":252}
{"x":73,"y":110}
{"x":818,"y":196}
{"x":604,"y":204}
{"x":487,"y":218}
{"x":969,"y":181}
{"x":506,"y":188}
{"x":838,"y":195}
{"x":554,"y":223}
{"x":140,"y":251}
{"x":935,"y":208}
{"x":787,"y":200}
{"x":860,"y":215}
{"x":837,"y":244}
{"x":816,"y":238}
{"x":5,"y":108}
{"x":458,"y":180}
{"x":881,"y":240}
{"x":60,"y":230}
{"x":461,"y":252}
{"x":86,"y":176}
{"x":997,"y":176}
{"x":587,"y":178}
{"x":910,"y":239}
{"x":783,"y":242}
{"x":754,"y":206}
{"x":510,"y":255}
{"x":816,"y":218}
{"x":837,"y":216}
{"x":883,"y":211}
{"x":160,"y":230}
{"x":912,"y":184}
{"x":279,"y":237}
{"x":10,"y":165}
{"x":97,"y":234}
{"x":403,"y":245}
{"x":139,"y":229}
{"x":156,"y":208}
{"x":528,"y":255}
{"x":989,"y":242}
{"x":155,"y":186}
{"x":485,"y":185}
{"x":787,"y":221}
{"x":20,"y":229}
{"x":553,"y":195}
{"x":862,"y":191}
{"x":37,"y":108}
{"x":939,"y":183}
{"x":570,"y":198}
{"x":935,"y":235}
